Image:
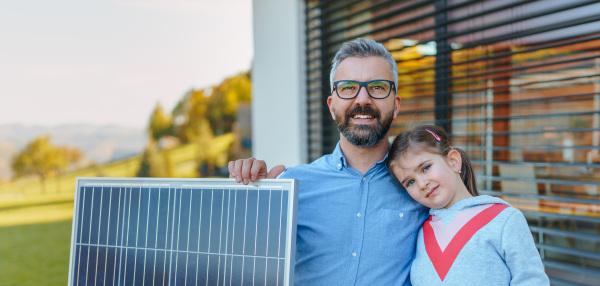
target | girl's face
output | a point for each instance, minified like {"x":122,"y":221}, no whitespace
{"x":431,"y":179}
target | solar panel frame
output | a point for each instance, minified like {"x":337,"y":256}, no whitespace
{"x":286,"y":185}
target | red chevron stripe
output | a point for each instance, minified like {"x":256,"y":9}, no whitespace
{"x":442,"y":261}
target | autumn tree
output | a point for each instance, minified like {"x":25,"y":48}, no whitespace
{"x":205,"y":159}
{"x":218,"y":105}
{"x":161,"y":123}
{"x":153,"y":164}
{"x":189,"y":115}
{"x":39,"y":157}
{"x":197,"y":117}
{"x":70,"y":156}
{"x":225,"y":99}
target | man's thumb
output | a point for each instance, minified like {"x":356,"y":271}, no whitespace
{"x":275,"y":171}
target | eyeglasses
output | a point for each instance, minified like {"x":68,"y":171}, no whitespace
{"x":349,"y":89}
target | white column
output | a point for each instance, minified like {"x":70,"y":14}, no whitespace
{"x":278,"y":82}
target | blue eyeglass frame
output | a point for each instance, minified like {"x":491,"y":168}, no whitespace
{"x":361,"y":84}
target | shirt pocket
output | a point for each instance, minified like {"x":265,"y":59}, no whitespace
{"x":398,"y":233}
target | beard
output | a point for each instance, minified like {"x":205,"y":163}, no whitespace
{"x":364,"y":135}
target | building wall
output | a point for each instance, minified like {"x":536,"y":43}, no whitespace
{"x":278,"y":82}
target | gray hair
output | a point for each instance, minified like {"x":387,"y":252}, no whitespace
{"x":363,"y":48}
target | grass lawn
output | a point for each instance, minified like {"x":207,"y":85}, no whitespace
{"x":35,"y":254}
{"x":35,"y":237}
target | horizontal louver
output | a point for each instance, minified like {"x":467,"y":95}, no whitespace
{"x":517,"y":83}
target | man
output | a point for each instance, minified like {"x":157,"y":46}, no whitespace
{"x":355,"y":226}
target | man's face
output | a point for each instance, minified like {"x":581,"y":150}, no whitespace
{"x":363,"y":121}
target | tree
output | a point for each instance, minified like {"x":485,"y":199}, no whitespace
{"x":154,"y":165}
{"x":39,"y":157}
{"x":70,"y":156}
{"x":189,"y":114}
{"x":224,"y":102}
{"x":205,"y":159}
{"x":218,"y":105}
{"x":161,"y":123}
{"x":146,"y":164}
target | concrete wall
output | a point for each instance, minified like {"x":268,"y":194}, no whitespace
{"x":278,"y":82}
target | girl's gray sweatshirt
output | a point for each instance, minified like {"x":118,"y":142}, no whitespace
{"x":477,"y":241}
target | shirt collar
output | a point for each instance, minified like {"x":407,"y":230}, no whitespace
{"x":339,"y":160}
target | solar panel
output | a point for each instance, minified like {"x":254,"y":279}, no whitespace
{"x":140,"y":231}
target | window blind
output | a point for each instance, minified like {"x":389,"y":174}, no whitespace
{"x":517,"y":85}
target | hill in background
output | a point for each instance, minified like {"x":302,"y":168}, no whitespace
{"x":98,"y":143}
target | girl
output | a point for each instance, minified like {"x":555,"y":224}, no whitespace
{"x":468,"y":239}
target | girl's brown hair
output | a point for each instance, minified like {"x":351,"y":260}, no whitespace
{"x":433,"y":139}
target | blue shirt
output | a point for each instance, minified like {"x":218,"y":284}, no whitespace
{"x":353,"y":229}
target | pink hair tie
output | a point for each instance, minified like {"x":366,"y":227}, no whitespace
{"x":434,"y":135}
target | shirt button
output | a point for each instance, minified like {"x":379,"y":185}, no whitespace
{"x":400,"y":214}
{"x":339,"y":165}
{"x":364,"y":179}
{"x":358,"y":214}
{"x":353,"y":253}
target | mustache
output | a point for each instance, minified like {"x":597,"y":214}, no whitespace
{"x":364,"y":110}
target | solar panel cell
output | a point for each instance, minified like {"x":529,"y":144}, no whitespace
{"x":182,"y":232}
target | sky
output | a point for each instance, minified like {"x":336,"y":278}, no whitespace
{"x":106,"y":62}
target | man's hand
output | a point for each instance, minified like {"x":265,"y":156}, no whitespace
{"x":249,"y":170}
